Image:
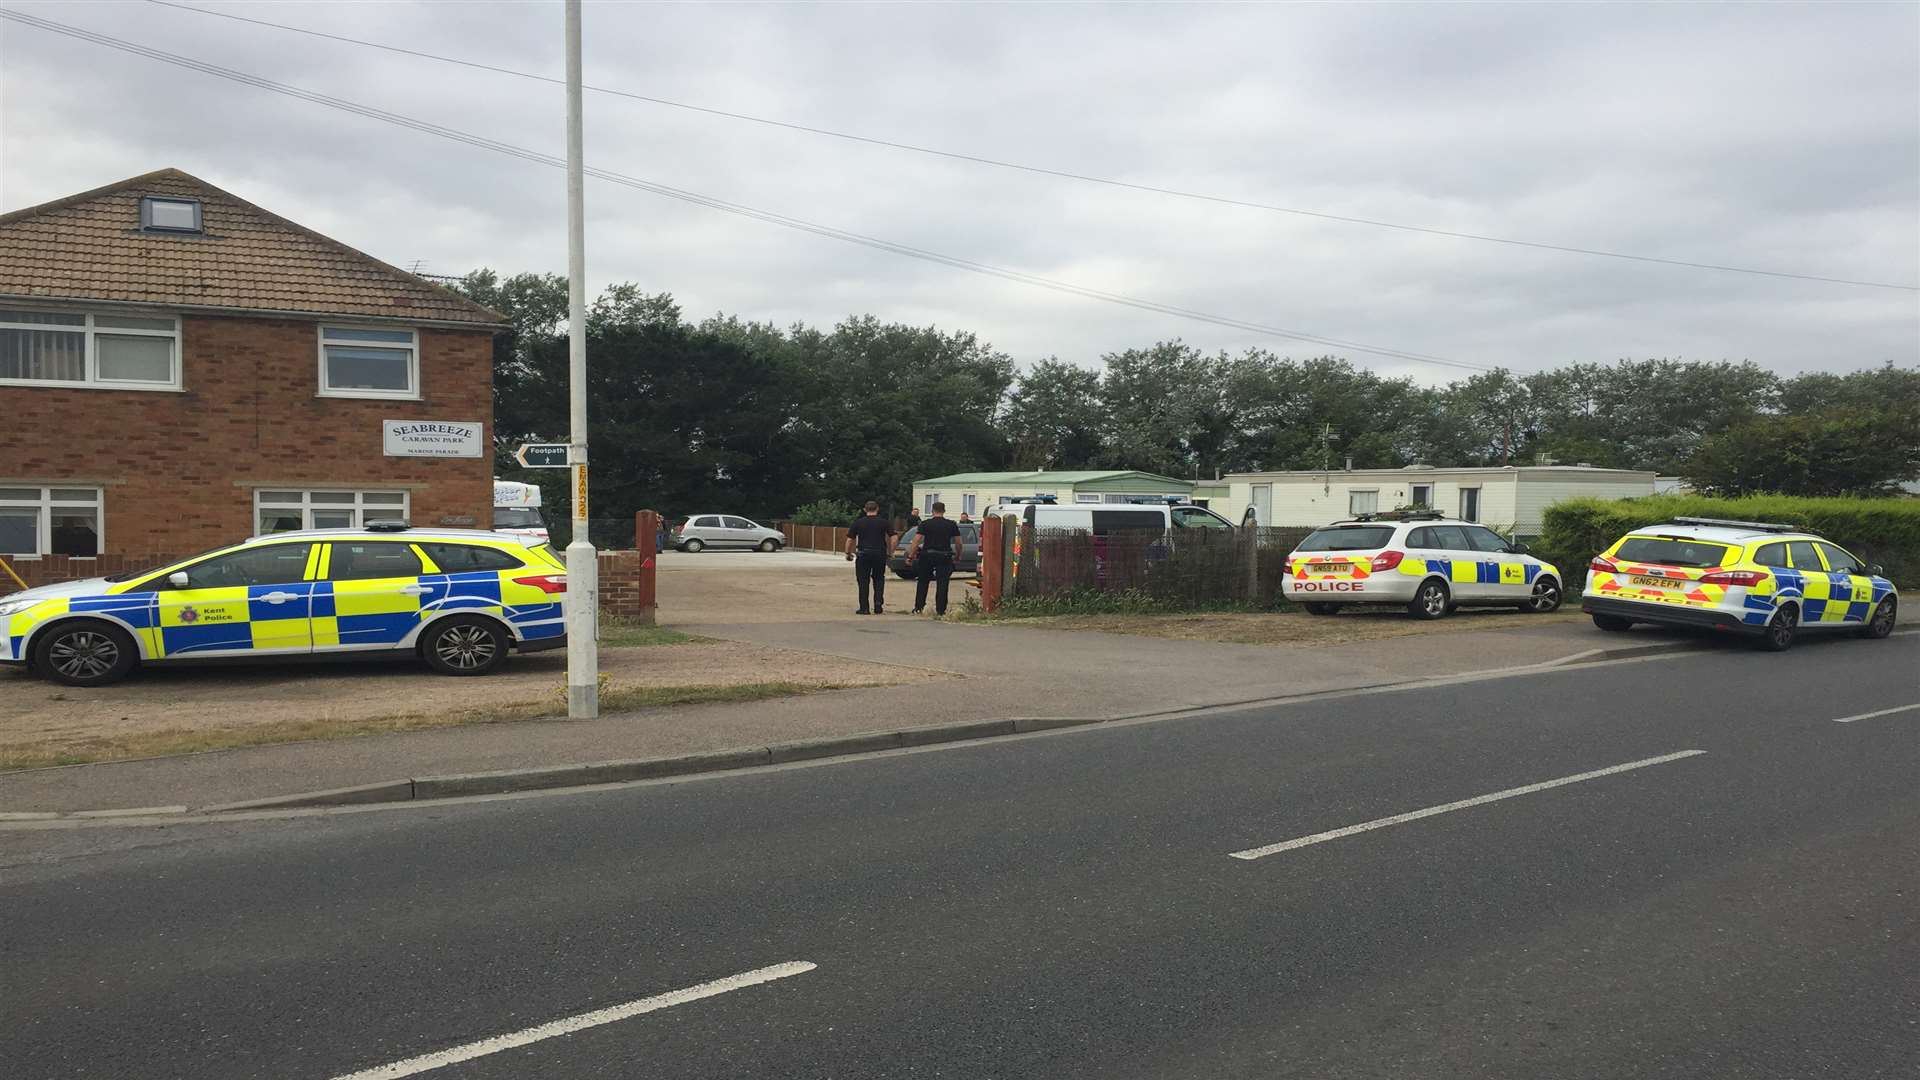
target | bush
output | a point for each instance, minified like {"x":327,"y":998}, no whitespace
{"x":825,"y":512}
{"x":1884,"y":531}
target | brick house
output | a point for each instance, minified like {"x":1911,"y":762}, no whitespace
{"x":180,"y":368}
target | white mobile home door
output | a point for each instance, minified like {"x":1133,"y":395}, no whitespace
{"x":1263,"y":504}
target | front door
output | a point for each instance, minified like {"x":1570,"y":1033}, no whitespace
{"x":739,"y":532}
{"x":1849,"y":588}
{"x":371,"y":596}
{"x":243,"y":602}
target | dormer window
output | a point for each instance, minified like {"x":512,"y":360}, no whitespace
{"x":163,"y":214}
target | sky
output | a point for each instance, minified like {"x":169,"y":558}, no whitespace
{"x":1780,"y":137}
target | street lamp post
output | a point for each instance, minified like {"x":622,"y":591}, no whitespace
{"x":583,"y":566}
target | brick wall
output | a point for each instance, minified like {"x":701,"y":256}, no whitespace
{"x":178,"y":470}
{"x":627,"y":585}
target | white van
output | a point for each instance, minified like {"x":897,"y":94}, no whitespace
{"x":1102,"y":518}
{"x":516,"y":510}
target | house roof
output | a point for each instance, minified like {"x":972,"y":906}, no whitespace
{"x":90,"y":247}
{"x":1556,"y":472}
{"x":1050,"y":477}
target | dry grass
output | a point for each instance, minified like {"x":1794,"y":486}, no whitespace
{"x":1295,"y":627}
{"x":182,"y":740}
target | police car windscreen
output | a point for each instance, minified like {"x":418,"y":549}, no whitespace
{"x":1669,"y":551}
{"x":1347,"y":538}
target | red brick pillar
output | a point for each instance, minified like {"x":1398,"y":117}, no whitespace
{"x":991,"y":552}
{"x":646,"y":530}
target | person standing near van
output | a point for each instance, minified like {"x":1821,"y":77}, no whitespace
{"x":869,"y":539}
{"x":932,"y":555}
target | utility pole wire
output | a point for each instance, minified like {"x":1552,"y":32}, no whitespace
{"x":1060,"y":173}
{"x":710,"y":202}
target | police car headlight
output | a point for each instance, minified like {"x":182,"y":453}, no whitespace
{"x":15,"y":607}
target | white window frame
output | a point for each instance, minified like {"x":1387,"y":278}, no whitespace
{"x":1477,"y":508}
{"x":1413,"y":495}
{"x":967,"y":502}
{"x":1351,"y":492}
{"x":91,"y":379}
{"x":46,"y":504}
{"x":306,"y":506}
{"x":1087,"y":497}
{"x":932,"y":497}
{"x":411,"y":348}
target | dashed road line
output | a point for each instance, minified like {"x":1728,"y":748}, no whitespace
{"x":425,"y":1062}
{"x":1478,"y":800}
{"x":1877,"y":712}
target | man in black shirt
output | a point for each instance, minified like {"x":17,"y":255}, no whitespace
{"x":934,"y":548}
{"x":869,"y":539}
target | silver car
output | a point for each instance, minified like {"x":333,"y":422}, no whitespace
{"x":703,"y":531}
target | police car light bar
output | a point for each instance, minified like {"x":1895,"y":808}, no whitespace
{"x":1156,"y":500}
{"x":387,"y":526}
{"x":1400,"y":515}
{"x":1045,"y":500}
{"x":1757,"y":526}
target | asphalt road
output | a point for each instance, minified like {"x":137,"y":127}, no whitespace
{"x":1066,"y":906}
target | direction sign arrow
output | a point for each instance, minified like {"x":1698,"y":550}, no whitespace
{"x":541,"y":455}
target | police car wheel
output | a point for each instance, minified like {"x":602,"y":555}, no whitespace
{"x":1778,"y":636}
{"x":464,"y":645}
{"x":1322,"y":609}
{"x":1613,"y":623}
{"x":692,"y":546}
{"x":1431,"y":602}
{"x":1881,"y":625}
{"x":1545,"y":598}
{"x":85,"y":653}
{"x":769,"y":545}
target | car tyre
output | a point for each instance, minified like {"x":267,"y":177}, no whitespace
{"x":769,"y":544}
{"x":1778,"y":636}
{"x":1884,"y":616}
{"x":1612,"y":623}
{"x":1545,"y":599}
{"x":1431,"y":600}
{"x":464,"y":645}
{"x":85,"y":652}
{"x":692,"y":546}
{"x":1318,"y":608}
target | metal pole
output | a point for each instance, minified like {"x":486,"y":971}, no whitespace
{"x":583,"y":565}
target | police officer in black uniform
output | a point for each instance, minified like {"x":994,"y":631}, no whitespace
{"x":932,"y":555}
{"x":869,"y":539}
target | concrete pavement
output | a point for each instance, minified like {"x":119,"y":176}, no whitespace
{"x":1067,"y":906}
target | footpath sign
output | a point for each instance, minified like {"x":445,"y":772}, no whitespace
{"x":541,"y":455}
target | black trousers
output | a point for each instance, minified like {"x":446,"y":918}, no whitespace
{"x":937,"y":567}
{"x":871,"y":567}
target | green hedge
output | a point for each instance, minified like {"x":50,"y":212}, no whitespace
{"x":1884,"y":531}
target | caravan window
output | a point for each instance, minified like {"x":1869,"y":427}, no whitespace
{"x":1106,"y":521}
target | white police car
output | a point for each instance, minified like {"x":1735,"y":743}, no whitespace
{"x":458,"y":598}
{"x":1421,"y":560}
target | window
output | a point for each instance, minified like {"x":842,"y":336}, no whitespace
{"x":1840,"y":562}
{"x":1672,"y":551}
{"x":967,"y":503}
{"x":932,"y":498}
{"x":50,"y":521}
{"x":1449,"y":538}
{"x":1802,"y":554}
{"x":1771,"y":555}
{"x":465,"y":558}
{"x":518,"y":517}
{"x":1423,"y":495}
{"x":160,"y":213}
{"x":1187,"y":517}
{"x":737,"y":523}
{"x":284,"y":511}
{"x":370,"y":559}
{"x":65,"y":348}
{"x":1485,"y":540}
{"x":1347,"y":538}
{"x":1086,"y":497}
{"x":1470,"y":504}
{"x":1106,"y":521}
{"x":359,"y":362}
{"x":273,"y":564}
{"x":1363,"y":502}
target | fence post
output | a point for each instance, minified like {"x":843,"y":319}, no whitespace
{"x":646,"y":524}
{"x":991,"y":552}
{"x":1252,"y":534}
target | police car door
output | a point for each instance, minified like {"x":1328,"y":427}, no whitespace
{"x":1503,"y":573}
{"x":244,"y":602}
{"x":1462,"y":561}
{"x":372,"y":595}
{"x":1849,"y":588}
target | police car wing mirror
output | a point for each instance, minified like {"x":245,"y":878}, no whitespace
{"x":1517,"y":549}
{"x":177,"y":579}
{"x":1877,"y":570}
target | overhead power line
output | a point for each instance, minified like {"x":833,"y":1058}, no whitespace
{"x":768,"y":216}
{"x":1044,"y":171}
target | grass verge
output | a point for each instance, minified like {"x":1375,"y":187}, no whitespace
{"x":200,"y":740}
{"x":623,"y":635}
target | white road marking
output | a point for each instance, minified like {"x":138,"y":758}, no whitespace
{"x":1881,"y":712}
{"x":1415,"y":815}
{"x":571,"y":1024}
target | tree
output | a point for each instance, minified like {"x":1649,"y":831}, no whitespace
{"x":1053,"y":417}
{"x":1837,"y":452}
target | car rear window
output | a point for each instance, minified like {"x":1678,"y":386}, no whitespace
{"x":1347,"y":538}
{"x":465,"y":558}
{"x":1673,"y":551}
{"x":546,"y":552}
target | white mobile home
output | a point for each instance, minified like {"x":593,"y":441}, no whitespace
{"x":1508,"y":495}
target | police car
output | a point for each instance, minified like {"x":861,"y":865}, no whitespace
{"x":458,"y":598}
{"x":1419,"y":559}
{"x":1750,"y":577}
